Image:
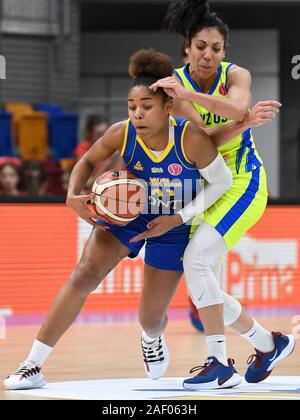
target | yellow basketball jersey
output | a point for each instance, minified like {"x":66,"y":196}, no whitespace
{"x":239,"y":153}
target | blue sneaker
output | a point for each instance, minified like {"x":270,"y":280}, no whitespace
{"x":213,"y":375}
{"x":262,"y":364}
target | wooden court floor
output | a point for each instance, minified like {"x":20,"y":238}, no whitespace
{"x":109,"y":351}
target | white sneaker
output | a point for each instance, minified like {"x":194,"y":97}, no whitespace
{"x":27,"y":377}
{"x":156,"y":357}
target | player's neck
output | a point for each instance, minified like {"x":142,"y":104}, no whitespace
{"x":204,"y":84}
{"x":158,"y":141}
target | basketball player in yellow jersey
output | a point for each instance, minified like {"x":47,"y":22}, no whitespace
{"x":214,"y":93}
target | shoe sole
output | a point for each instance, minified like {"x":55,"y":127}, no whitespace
{"x":39,"y":384}
{"x":234,"y":381}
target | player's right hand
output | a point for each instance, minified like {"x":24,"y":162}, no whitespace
{"x":171,"y":86}
{"x":262,"y":113}
{"x":80,"y":204}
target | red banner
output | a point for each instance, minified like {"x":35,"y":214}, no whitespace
{"x":40,"y":245}
{"x":263,"y":270}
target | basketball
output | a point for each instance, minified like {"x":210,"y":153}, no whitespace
{"x":118,"y":197}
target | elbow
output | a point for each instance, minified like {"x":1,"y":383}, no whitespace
{"x":88,"y":164}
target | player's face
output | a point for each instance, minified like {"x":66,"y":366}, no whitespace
{"x":147,"y":111}
{"x":9,"y":178}
{"x":98,"y":131}
{"x":206,"y":52}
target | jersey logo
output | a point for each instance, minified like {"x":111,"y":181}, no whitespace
{"x":175,"y":169}
{"x":157,"y":170}
{"x":226,"y":158}
{"x":223,"y":90}
{"x":138,"y":166}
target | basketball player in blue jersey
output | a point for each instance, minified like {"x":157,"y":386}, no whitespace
{"x":212,"y":93}
{"x":164,"y":152}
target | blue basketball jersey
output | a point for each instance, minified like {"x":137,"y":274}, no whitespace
{"x":172,"y":180}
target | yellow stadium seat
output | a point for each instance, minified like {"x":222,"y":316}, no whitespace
{"x":66,"y":164}
{"x":33,"y":136}
{"x":18,"y":110}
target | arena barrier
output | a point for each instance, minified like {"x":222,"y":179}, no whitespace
{"x":40,"y":244}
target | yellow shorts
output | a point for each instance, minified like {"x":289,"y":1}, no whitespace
{"x":239,"y":208}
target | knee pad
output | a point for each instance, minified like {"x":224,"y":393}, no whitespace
{"x":201,"y":282}
{"x":232,"y":310}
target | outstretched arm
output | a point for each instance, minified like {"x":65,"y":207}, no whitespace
{"x":234,"y":107}
{"x":262,"y":113}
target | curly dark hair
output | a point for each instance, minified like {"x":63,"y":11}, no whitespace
{"x":147,"y":66}
{"x":150,"y":63}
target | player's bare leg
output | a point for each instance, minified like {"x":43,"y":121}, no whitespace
{"x":101,"y":255}
{"x":158,"y":291}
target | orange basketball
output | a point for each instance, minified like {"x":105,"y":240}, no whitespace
{"x":119,"y":197}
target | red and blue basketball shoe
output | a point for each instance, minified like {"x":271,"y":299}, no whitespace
{"x":213,"y":375}
{"x":262,"y":364}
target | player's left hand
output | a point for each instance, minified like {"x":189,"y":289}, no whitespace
{"x":171,"y":86}
{"x":158,"y":227}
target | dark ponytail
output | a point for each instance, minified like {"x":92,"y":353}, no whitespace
{"x":187,"y":17}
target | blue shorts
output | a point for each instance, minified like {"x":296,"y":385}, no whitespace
{"x":163,"y":252}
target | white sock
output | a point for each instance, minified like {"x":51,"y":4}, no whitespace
{"x":39,"y":353}
{"x":261,"y":339}
{"x":147,"y":339}
{"x":216,"y":347}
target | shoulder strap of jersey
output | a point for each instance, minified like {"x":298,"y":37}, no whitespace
{"x":129,"y":143}
{"x":180,"y":126}
{"x":181,"y":75}
{"x":226,"y":67}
